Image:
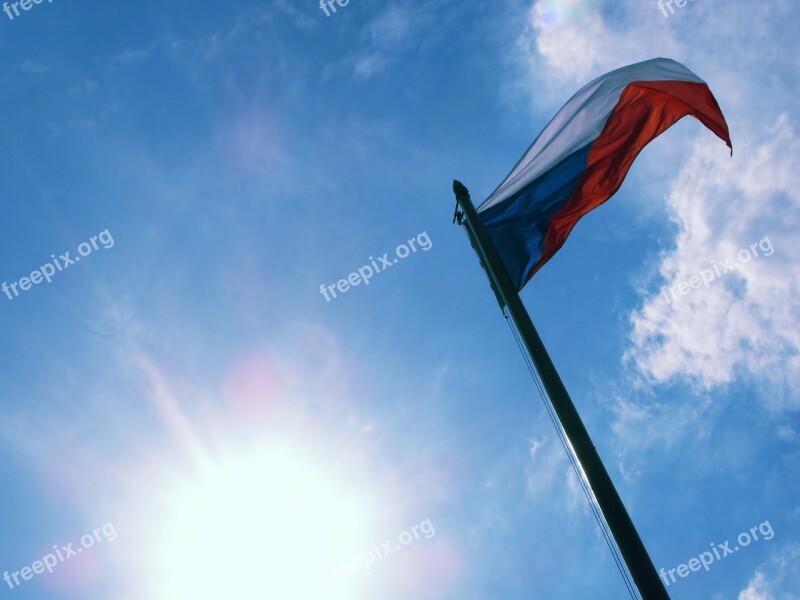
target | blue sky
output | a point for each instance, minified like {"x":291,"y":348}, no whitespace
{"x":191,"y":386}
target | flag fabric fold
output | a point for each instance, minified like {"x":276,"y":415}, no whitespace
{"x":583,"y":155}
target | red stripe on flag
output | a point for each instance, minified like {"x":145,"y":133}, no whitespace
{"x":644,"y":111}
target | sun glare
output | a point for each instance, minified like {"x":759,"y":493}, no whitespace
{"x":258,"y":524}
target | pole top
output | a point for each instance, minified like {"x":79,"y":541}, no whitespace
{"x":462,"y":194}
{"x":459,"y":189}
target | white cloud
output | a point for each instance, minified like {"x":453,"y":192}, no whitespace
{"x":253,"y":142}
{"x":399,"y":29}
{"x":369,"y":64}
{"x":548,"y":464}
{"x":300,"y":17}
{"x":786,"y":433}
{"x":536,"y":445}
{"x":778,"y":579}
{"x":138,"y":55}
{"x":393,"y":26}
{"x":388,"y":35}
{"x":551,"y":474}
{"x":756,"y":589}
{"x":31,"y":66}
{"x":568,"y":44}
{"x":745,"y":320}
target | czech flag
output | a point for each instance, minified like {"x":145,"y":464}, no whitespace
{"x":583,"y":155}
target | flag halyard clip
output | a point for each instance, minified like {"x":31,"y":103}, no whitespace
{"x":458,"y":215}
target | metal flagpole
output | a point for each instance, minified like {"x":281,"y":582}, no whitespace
{"x":630,"y":544}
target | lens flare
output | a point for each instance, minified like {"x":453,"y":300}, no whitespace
{"x":552,"y":13}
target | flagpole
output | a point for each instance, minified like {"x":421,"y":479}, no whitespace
{"x":630,"y":544}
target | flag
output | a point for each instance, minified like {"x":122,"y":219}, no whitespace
{"x":583,"y":155}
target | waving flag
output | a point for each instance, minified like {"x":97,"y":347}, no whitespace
{"x":583,"y":155}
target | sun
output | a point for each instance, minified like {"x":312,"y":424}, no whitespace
{"x":263,"y":522}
